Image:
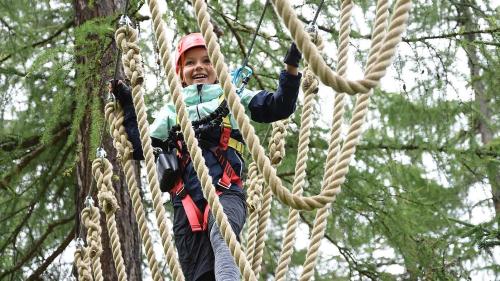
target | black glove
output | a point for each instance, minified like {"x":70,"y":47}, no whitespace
{"x":122,"y":93}
{"x":293,"y":56}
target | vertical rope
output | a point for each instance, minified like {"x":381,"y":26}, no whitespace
{"x":276,"y":153}
{"x":126,"y":38}
{"x":310,"y":88}
{"x":91,"y":220}
{"x":319,"y":227}
{"x":254,"y":204}
{"x":82,"y":267}
{"x":114,"y":116}
{"x":101,"y":169}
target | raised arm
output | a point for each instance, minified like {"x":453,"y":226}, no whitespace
{"x":266,"y":107}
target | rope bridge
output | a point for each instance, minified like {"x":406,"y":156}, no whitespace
{"x":263,"y":183}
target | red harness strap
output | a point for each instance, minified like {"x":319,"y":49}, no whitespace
{"x":197,"y":220}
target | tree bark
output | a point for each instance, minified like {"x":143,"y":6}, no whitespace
{"x":129,"y":235}
{"x":466,"y":20}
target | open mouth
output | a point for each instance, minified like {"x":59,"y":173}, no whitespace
{"x":199,"y":76}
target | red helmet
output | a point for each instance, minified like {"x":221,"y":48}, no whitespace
{"x":187,"y":42}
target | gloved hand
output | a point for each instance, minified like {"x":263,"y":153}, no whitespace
{"x":293,"y":56}
{"x":121,"y":92}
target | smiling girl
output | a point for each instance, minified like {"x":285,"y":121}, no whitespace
{"x":203,"y":253}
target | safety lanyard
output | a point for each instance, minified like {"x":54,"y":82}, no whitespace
{"x":241,"y":76}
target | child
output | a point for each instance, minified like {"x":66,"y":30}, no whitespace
{"x":203,"y":253}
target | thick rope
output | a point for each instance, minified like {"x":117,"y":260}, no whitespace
{"x":319,"y":227}
{"x":101,"y":169}
{"x":126,"y":38}
{"x":194,"y":149}
{"x":328,"y":194}
{"x":320,"y":223}
{"x":91,"y":219}
{"x":264,"y":214}
{"x":310,"y":88}
{"x":82,"y":267}
{"x":254,"y":204}
{"x":277,"y":144}
{"x":114,"y":116}
{"x":276,"y":153}
{"x":319,"y":66}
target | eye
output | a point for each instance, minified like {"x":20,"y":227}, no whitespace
{"x":206,"y":61}
{"x":188,"y":62}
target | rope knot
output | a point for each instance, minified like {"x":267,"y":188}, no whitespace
{"x":309,"y":82}
{"x":108,"y":202}
{"x":277,"y":143}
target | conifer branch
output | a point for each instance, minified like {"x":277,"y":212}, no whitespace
{"x":5,"y":181}
{"x":34,"y":247}
{"x":41,"y":194}
{"x":66,"y":26}
{"x":18,"y":229}
{"x":347,"y":254}
{"x":356,"y":35}
{"x":6,"y":24}
{"x":15,"y":143}
{"x":454,"y":34}
{"x":47,"y":261}
{"x":429,"y":148}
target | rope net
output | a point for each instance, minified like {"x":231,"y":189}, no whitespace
{"x":263,"y":182}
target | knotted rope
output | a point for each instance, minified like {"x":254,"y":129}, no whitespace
{"x":277,"y":144}
{"x":91,"y":220}
{"x":254,"y":204}
{"x":101,"y":169}
{"x":114,"y":117}
{"x":126,"y":39}
{"x":277,"y":153}
{"x":82,"y":267}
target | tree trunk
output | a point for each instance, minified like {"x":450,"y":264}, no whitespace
{"x":129,"y":236}
{"x":466,"y":20}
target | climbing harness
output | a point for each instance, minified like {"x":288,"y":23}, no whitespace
{"x":217,"y":120}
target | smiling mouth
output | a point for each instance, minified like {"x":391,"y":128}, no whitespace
{"x":200,"y":76}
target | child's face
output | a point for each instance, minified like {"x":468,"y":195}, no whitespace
{"x":197,"y":68}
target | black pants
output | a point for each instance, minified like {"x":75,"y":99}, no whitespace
{"x":195,"y":251}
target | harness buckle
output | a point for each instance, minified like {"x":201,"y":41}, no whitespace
{"x":181,"y":192}
{"x":222,"y":184}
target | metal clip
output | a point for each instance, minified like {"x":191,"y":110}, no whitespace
{"x":312,"y":28}
{"x":125,"y":21}
{"x":80,"y":243}
{"x":101,"y":153}
{"x":89,"y":202}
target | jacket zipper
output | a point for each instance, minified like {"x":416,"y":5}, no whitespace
{"x":199,"y":87}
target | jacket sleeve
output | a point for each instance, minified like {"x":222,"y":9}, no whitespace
{"x":132,"y":129}
{"x":267,"y":107}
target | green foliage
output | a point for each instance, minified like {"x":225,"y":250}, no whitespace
{"x":405,"y":209}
